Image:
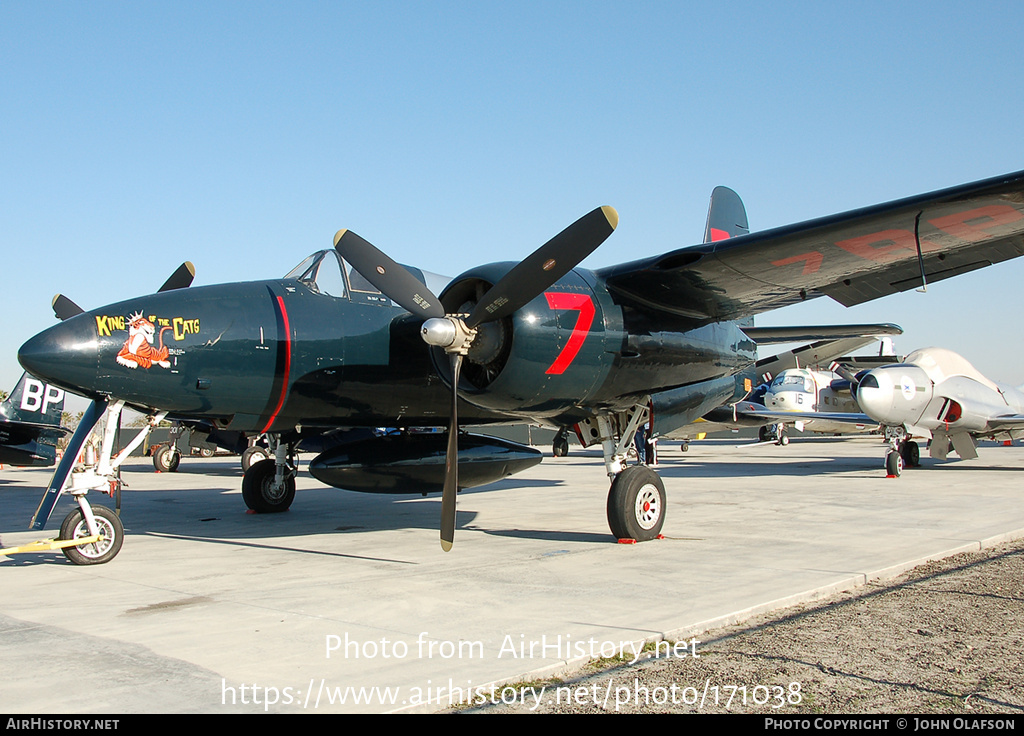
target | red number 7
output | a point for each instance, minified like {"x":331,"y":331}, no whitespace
{"x":585,"y":305}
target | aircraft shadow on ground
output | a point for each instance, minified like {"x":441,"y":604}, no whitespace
{"x":219,"y":516}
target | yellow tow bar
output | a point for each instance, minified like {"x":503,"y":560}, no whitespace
{"x":49,"y":544}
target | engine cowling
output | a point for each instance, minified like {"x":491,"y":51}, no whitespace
{"x":554,"y":351}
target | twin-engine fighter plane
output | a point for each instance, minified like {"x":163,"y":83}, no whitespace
{"x":30,"y":424}
{"x":352,"y":339}
{"x":937,"y":392}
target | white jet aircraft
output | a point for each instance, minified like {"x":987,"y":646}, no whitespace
{"x":937,"y":393}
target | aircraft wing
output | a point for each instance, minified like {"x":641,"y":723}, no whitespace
{"x":761,"y":412}
{"x":1005,"y":423}
{"x":821,"y":352}
{"x":852,"y":257}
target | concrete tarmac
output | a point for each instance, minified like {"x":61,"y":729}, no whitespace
{"x":346,"y":603}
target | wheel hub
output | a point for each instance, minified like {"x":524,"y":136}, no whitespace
{"x":274,"y":491}
{"x":648,"y":507}
{"x":97,"y":549}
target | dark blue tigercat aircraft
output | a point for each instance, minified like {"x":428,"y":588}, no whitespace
{"x":352,"y":339}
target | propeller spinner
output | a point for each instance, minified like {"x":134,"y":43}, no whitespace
{"x":455,"y":332}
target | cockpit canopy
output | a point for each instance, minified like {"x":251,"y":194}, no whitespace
{"x":790,"y":381}
{"x":326,"y":272}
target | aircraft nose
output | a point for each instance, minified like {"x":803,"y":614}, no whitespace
{"x":65,"y":355}
{"x":875,"y":393}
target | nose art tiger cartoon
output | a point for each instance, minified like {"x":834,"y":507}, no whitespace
{"x":138,"y":349}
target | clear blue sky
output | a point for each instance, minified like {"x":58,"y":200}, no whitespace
{"x":242,"y":135}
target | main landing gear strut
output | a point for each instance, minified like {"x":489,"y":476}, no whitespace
{"x":268,"y":486}
{"x":636,"y":500}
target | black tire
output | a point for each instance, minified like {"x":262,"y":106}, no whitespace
{"x":911,"y":453}
{"x":74,"y":527}
{"x":685,"y":447}
{"x":253,"y":455}
{"x":765,"y":434}
{"x":258,"y":489}
{"x":636,"y":504}
{"x":166,"y":459}
{"x":560,"y":446}
{"x":893,"y":464}
{"x":783,"y":438}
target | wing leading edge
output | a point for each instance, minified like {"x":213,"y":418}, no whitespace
{"x":851,"y":257}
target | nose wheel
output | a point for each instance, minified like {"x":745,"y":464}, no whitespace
{"x":109,"y":530}
{"x":893,"y":464}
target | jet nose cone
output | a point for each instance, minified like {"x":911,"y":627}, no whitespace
{"x":875,"y":393}
{"x":65,"y":355}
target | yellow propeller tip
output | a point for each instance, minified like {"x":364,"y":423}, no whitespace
{"x":338,"y":235}
{"x":611,"y":215}
{"x":446,"y":545}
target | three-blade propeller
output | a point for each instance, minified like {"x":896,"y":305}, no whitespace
{"x":455,"y":332}
{"x":64,"y":308}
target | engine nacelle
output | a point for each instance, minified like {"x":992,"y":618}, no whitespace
{"x":415,"y":463}
{"x":555,"y":350}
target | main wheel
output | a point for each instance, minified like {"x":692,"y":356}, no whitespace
{"x":765,"y":434}
{"x":911,"y":453}
{"x":636,"y":504}
{"x":253,"y":455}
{"x":110,"y":527}
{"x":166,"y":459}
{"x":560,"y":446}
{"x":894,"y":464}
{"x":260,"y":492}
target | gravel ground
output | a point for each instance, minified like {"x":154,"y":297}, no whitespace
{"x":945,"y":638}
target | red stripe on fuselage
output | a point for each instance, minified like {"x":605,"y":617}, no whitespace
{"x":287,"y":337}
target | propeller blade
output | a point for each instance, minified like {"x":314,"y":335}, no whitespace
{"x":181,"y":278}
{"x":393,"y":280}
{"x":89,"y":419}
{"x":451,"y":464}
{"x":545,"y":266}
{"x":64,"y":308}
{"x":843,"y":372}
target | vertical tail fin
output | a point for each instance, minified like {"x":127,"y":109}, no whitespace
{"x":34,"y":402}
{"x":727,"y":217}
